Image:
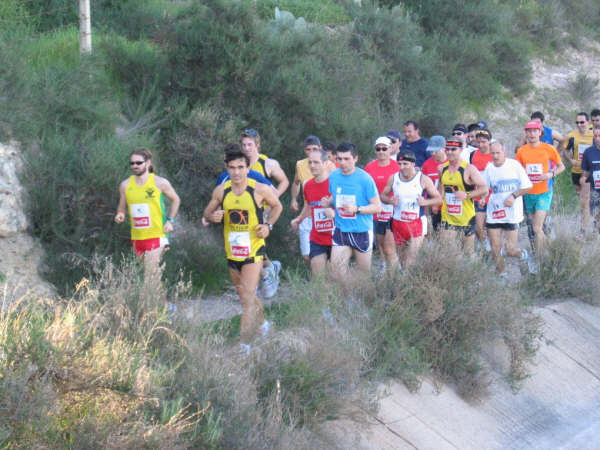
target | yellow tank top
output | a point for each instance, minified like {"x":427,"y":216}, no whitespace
{"x":578,"y":143}
{"x":456,"y":212}
{"x":146,"y":207}
{"x":242,"y":214}
{"x":260,"y":166}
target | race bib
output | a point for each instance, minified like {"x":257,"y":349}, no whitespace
{"x":534,"y":172}
{"x":239,"y":244}
{"x":596,"y":177}
{"x":321,"y":222}
{"x":386,"y":213}
{"x":499,"y":214}
{"x":454,"y":205}
{"x":140,"y":213}
{"x":409,"y":210}
{"x":581,"y":150}
{"x":345,"y":199}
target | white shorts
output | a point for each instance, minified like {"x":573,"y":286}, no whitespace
{"x":424,"y":220}
{"x":304,"y":230}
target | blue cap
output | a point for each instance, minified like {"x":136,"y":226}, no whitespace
{"x":482,"y":124}
{"x":394,"y":134}
{"x":436,"y":143}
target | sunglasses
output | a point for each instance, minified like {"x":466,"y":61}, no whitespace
{"x":381,"y":149}
{"x":136,"y":163}
{"x":250,"y":132}
{"x":580,"y":122}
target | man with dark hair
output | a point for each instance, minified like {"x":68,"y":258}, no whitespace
{"x":459,"y":131}
{"x":238,"y":203}
{"x":472,"y":130}
{"x":430,"y":168}
{"x":595,"y":117}
{"x":329,"y":148}
{"x":591,"y":174}
{"x":354,"y":196}
{"x":396,"y":139}
{"x":142,"y":197}
{"x":414,"y":142}
{"x":549,"y":135}
{"x":480,"y":158}
{"x":572,"y":148}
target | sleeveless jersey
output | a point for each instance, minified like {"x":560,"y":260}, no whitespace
{"x":241,"y":215}
{"x":578,"y":144}
{"x":146,"y":205}
{"x":407,"y":192}
{"x":454,"y":211}
{"x":261,"y":165}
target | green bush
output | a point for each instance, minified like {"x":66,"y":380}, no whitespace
{"x":325,"y":12}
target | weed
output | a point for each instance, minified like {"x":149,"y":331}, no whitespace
{"x":583,"y":88}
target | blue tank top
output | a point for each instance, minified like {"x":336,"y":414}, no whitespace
{"x":547,"y":138}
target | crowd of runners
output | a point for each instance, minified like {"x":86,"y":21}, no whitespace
{"x":463,"y":188}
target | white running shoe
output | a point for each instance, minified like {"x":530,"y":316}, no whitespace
{"x":524,"y":255}
{"x":264,"y":329}
{"x":488,"y":247}
{"x":270,"y":283}
{"x":532,"y":265}
{"x":245,"y":350}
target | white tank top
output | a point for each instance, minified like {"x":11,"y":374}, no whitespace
{"x":407,"y":192}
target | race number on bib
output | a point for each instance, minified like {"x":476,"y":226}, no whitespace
{"x":454,"y":205}
{"x":499,"y":214}
{"x":596,"y":177}
{"x":386,"y":213}
{"x":140,"y":213}
{"x":535,"y":172}
{"x":322,"y":222}
{"x":345,"y":199}
{"x":239,"y":243}
{"x":581,"y":150}
{"x":409,"y":210}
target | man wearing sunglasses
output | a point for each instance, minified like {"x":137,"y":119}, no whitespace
{"x":459,"y":131}
{"x":142,"y":197}
{"x":573,"y":148}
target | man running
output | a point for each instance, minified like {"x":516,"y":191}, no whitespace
{"x":591,"y":174}
{"x":460,"y":183}
{"x":535,"y":157}
{"x":394,"y":136}
{"x":238,"y":203}
{"x":142,"y":197}
{"x":459,"y":131}
{"x":480,"y":158}
{"x":572,"y":148}
{"x":381,"y":170}
{"x":430,"y":168}
{"x":404,"y":191}
{"x":270,"y":168}
{"x":414,"y":142}
{"x":507,"y":181}
{"x":595,"y":117}
{"x":303,"y":174}
{"x":354,"y":196}
{"x":314,"y":190}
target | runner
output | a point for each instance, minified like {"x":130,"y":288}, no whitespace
{"x":321,"y":218}
{"x":430,"y":168}
{"x":591,"y":174}
{"x":480,"y":158}
{"x":507,"y":181}
{"x":460,"y":183}
{"x":535,"y":157}
{"x":595,"y":115}
{"x":471,"y":136}
{"x":354,"y":195}
{"x":238,"y":204}
{"x":142,"y":197}
{"x":404,"y":191}
{"x":270,"y":168}
{"x":572,"y":149}
{"x":303,"y":174}
{"x":394,"y":136}
{"x":381,"y":170}
{"x":329,"y":148}
{"x":459,"y":131}
{"x":414,"y":142}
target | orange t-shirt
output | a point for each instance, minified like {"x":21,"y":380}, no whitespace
{"x":536,"y":161}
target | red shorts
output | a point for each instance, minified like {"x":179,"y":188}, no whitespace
{"x":144,"y":245}
{"x":405,"y":231}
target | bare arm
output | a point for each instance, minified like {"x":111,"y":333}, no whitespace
{"x":265,"y":194}
{"x":556,"y":136}
{"x":385,"y":194}
{"x":303,"y":215}
{"x":122,"y":206}
{"x":472,"y":176}
{"x":276,"y":172}
{"x":166,"y":188}
{"x":434,"y":196}
{"x":520,"y":142}
{"x":296,"y":184}
{"x":213,"y":213}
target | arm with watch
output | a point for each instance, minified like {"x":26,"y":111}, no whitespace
{"x":264,"y":193}
{"x":510,"y":200}
{"x":373,"y":207}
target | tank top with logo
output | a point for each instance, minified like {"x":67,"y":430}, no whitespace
{"x":146,"y":206}
{"x":407,"y":192}
{"x":456,"y":212}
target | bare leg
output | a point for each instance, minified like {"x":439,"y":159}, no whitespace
{"x":584,"y":200}
{"x":318,"y":264}
{"x":363,"y":260}
{"x":468,"y":244}
{"x":537,"y":220}
{"x":389,"y":248}
{"x":412,"y":250}
{"x":480,"y":226}
{"x":340,"y":259}
{"x":495,"y":236}
{"x":152,"y":268}
{"x":252,"y":309}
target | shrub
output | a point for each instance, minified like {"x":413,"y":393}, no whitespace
{"x":584,"y":88}
{"x":325,"y":12}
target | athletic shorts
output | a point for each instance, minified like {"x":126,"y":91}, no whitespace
{"x":237,"y":265}
{"x":576,"y":177}
{"x":537,"y":202}
{"x":361,"y":241}
{"x":594,"y":202}
{"x":405,"y":231}
{"x":142,"y":246}
{"x":502,"y":226}
{"x":480,"y":210}
{"x":304,"y":236}
{"x":467,"y":230}
{"x":436,"y":220}
{"x":318,"y":249}
{"x":382,"y":227}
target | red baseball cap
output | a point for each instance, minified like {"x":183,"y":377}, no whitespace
{"x":533,"y":124}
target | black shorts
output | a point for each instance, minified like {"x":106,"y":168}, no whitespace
{"x":382,"y":227}
{"x":436,"y":220}
{"x":467,"y":230}
{"x":237,"y":265}
{"x":502,"y":226}
{"x":361,"y":241}
{"x":575,"y":177}
{"x":318,"y":249}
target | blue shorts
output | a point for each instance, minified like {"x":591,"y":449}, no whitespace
{"x":537,"y":202}
{"x":361,"y":241}
{"x":318,"y":249}
{"x":480,"y":210}
{"x":382,"y":227}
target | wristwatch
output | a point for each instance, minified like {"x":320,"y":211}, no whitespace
{"x":270,"y":225}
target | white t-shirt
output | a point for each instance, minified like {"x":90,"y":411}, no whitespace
{"x":503,"y":181}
